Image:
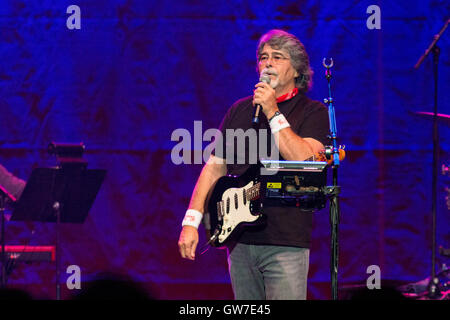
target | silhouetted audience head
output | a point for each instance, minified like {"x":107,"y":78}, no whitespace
{"x":113,"y":287}
{"x":14,"y":294}
{"x":384,"y":293}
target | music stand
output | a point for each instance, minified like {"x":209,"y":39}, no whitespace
{"x":62,"y":195}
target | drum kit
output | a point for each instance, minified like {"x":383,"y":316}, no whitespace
{"x":436,"y":287}
{"x":445,"y":120}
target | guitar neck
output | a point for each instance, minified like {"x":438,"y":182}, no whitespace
{"x":253,"y":192}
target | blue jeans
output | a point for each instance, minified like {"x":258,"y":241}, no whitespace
{"x":260,"y":272}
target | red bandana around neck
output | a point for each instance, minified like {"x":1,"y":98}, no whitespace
{"x":288,"y":95}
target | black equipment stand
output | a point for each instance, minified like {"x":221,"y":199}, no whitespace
{"x":298,"y":184}
{"x":334,"y":190}
{"x":2,"y":241}
{"x":5,"y":197}
{"x":433,"y":288}
{"x":64,"y":194}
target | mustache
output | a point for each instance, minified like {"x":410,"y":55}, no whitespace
{"x":269,"y":72}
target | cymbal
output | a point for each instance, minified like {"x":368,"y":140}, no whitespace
{"x":442,"y":118}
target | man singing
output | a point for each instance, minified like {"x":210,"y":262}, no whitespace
{"x":268,"y":262}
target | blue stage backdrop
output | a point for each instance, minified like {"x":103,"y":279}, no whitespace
{"x":127,"y":74}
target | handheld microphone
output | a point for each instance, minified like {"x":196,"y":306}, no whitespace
{"x":266,"y":79}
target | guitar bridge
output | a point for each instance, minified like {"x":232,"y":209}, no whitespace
{"x":220,"y":210}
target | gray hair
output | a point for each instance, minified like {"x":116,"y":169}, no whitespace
{"x":282,"y":40}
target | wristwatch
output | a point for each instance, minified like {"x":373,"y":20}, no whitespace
{"x":277,"y":113}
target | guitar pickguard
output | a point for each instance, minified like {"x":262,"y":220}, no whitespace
{"x":236,"y":210}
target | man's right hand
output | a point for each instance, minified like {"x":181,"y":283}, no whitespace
{"x":211,"y":172}
{"x":187,"y":243}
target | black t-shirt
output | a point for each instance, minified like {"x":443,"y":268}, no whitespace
{"x":308,"y":119}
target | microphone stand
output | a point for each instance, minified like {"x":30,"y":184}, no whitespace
{"x":333,"y":191}
{"x":433,"y":289}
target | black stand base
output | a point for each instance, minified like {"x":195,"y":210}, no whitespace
{"x":333,"y":193}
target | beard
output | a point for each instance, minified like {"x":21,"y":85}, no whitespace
{"x":271,"y":72}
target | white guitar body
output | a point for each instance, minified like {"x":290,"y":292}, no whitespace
{"x":238,"y":211}
{"x":232,"y":203}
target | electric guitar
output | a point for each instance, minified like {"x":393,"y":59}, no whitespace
{"x":233,"y":203}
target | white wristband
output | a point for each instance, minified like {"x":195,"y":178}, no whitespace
{"x":192,"y":218}
{"x":278,"y":122}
